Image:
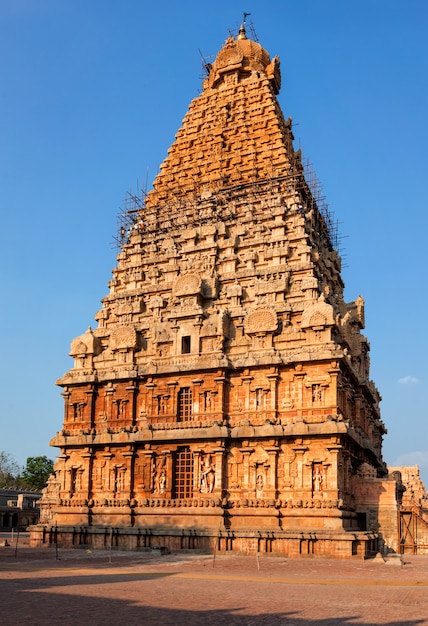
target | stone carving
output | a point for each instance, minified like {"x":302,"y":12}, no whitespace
{"x":123,"y":337}
{"x":261,"y":321}
{"x":309,"y":283}
{"x":274,"y":74}
{"x":161,"y":333}
{"x":78,"y":348}
{"x":317,"y":478}
{"x":237,"y":55}
{"x":259,"y":484}
{"x":234,"y":292}
{"x":209,"y":328}
{"x":278,"y":285}
{"x":318,"y":314}
{"x":159,"y":478}
{"x":207,"y":475}
{"x":84,"y":347}
{"x":156,"y":303}
{"x":217,"y":368}
{"x":318,"y":319}
{"x":187,"y":285}
{"x":316,"y":393}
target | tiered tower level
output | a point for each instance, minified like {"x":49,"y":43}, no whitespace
{"x":224,"y":400}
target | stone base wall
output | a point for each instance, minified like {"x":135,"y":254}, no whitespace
{"x":249,"y":542}
{"x":243,"y":528}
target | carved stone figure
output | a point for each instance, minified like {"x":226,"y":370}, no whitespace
{"x":207,"y":474}
{"x":317,"y":479}
{"x":259,"y":485}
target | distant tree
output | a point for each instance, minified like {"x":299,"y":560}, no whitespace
{"x":37,"y":471}
{"x":9,"y":472}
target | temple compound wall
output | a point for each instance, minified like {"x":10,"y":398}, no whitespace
{"x":224,"y":400}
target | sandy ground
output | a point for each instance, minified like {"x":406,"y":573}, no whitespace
{"x":78,"y":587}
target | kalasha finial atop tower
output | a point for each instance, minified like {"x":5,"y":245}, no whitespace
{"x":242,"y":31}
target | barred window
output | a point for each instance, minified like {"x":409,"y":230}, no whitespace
{"x":185,"y":404}
{"x":183,"y":475}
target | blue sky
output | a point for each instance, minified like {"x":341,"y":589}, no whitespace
{"x":92,"y":93}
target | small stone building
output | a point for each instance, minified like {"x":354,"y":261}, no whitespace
{"x":18,"y":509}
{"x":224,"y":401}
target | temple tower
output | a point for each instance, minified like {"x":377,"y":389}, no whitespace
{"x":224,"y":398}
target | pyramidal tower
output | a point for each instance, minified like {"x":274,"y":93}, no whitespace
{"x":224,"y":400}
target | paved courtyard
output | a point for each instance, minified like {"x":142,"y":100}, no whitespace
{"x":78,"y":587}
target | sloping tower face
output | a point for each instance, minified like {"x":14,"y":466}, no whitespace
{"x":224,"y":398}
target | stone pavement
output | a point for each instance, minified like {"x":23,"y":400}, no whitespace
{"x":101,"y":588}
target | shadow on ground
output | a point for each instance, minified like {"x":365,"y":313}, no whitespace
{"x":80,"y":599}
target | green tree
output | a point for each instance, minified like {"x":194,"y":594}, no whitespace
{"x":9,"y":472}
{"x":37,"y":471}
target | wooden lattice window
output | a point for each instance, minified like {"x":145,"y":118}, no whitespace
{"x":185,"y":401}
{"x":183,"y":476}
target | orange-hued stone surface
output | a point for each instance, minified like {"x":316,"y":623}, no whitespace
{"x":224,"y":399}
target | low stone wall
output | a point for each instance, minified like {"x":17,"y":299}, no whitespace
{"x":244,"y":542}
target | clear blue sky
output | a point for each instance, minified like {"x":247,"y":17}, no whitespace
{"x":92,"y":93}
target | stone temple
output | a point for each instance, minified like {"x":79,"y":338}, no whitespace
{"x":224,"y":401}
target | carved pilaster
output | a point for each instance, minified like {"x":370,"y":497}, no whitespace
{"x":221,"y":393}
{"x":272,"y":472}
{"x":66,"y":395}
{"x":132,"y":397}
{"x":299,"y":378}
{"x":86,"y":457}
{"x":128,"y":474}
{"x":91,"y":395}
{"x":219,"y":465}
{"x":172,"y":386}
{"x":246,"y":380}
{"x":151,"y":408}
{"x":300,"y":451}
{"x":273,"y":382}
{"x":247,"y":470}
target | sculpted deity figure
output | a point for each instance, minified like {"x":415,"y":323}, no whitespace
{"x":207,"y":474}
{"x":159,"y":482}
{"x":317,"y":479}
{"x":259,"y":485}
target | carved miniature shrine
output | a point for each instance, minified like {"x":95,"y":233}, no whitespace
{"x":223,"y":402}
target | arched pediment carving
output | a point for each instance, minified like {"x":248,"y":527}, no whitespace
{"x":259,"y":455}
{"x":318,"y":319}
{"x":261,"y":321}
{"x":187,"y":285}
{"x":85,"y":344}
{"x":318,"y":314}
{"x":123,"y":338}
